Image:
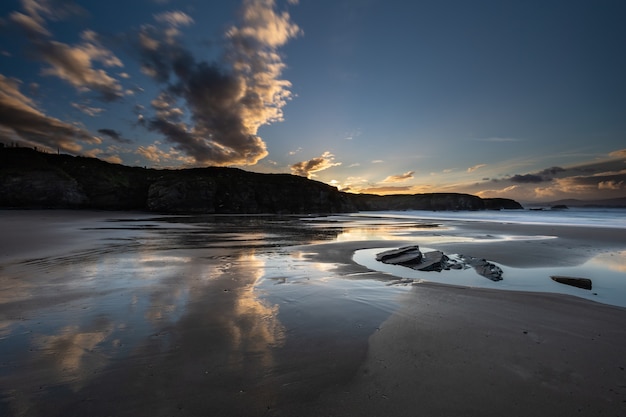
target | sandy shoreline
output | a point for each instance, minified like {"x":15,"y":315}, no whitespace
{"x":148,"y":318}
{"x":453,"y":351}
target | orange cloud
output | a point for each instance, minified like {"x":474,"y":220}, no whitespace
{"x":399,"y":178}
{"x":610,"y":185}
{"x":618,"y":154}
{"x":320,"y":163}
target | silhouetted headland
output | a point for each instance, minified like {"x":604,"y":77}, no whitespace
{"x":32,"y":179}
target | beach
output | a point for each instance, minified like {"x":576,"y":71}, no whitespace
{"x":126,"y":314}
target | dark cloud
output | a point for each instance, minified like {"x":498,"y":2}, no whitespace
{"x":551,"y":171}
{"x":226,"y":102}
{"x":542,"y":176}
{"x":527,"y":178}
{"x":115,"y":135}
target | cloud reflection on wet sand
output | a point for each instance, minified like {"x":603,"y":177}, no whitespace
{"x":116,"y":311}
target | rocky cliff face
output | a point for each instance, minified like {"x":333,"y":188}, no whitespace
{"x":30,"y":179}
{"x":228,"y":190}
{"x":432,"y":201}
{"x":501,"y":204}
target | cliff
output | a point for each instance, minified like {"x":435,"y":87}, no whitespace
{"x":31,"y":179}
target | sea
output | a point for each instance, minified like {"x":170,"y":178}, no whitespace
{"x":588,"y":217}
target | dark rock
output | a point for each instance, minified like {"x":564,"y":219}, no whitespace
{"x":484,"y":267}
{"x":407,"y":255}
{"x":584,"y":283}
{"x":433,"y":261}
{"x":412,"y":257}
{"x":502,"y":204}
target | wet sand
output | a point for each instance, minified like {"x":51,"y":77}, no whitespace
{"x":273,"y":317}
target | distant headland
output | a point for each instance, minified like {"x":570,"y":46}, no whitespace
{"x":32,"y":179}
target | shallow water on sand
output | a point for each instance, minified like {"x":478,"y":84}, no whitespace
{"x":102,"y":312}
{"x":607,"y":272}
{"x":220,"y":302}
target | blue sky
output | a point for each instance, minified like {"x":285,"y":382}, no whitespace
{"x":519,"y":99}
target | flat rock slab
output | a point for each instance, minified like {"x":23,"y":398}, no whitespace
{"x":401,"y":256}
{"x":432,"y":261}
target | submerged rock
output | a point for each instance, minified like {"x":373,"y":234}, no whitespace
{"x":584,"y":283}
{"x":412,"y":257}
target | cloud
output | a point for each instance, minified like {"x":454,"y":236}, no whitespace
{"x":618,"y":154}
{"x":598,"y":179}
{"x":475,"y":167}
{"x":377,"y":161}
{"x":73,"y":64}
{"x":33,"y":20}
{"x":551,"y":171}
{"x":542,"y":176}
{"x":527,"y":178}
{"x":387,"y":190}
{"x":33,"y":26}
{"x":174,"y":18}
{"x":115,"y":135}
{"x":88,"y":110}
{"x":154,"y":154}
{"x":512,"y":191}
{"x":399,"y":178}
{"x":353,"y":134}
{"x":23,"y":121}
{"x":227,"y":103}
{"x":296,"y":151}
{"x":308,"y":168}
{"x":611,"y":185}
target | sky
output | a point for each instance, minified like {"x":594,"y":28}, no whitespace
{"x":498,"y":98}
